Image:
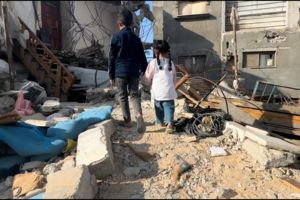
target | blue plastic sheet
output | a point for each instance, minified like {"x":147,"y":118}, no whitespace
{"x":9,"y":165}
{"x":28,"y":140}
{"x":70,"y":129}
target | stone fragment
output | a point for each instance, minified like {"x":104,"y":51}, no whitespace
{"x":94,"y":149}
{"x":28,"y":182}
{"x":132,"y":171}
{"x":50,"y":168}
{"x":50,"y":106}
{"x":74,"y":183}
{"x":268,"y":158}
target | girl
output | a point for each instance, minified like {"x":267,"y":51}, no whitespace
{"x":162,"y":73}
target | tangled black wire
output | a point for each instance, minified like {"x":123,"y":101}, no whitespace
{"x":209,"y":124}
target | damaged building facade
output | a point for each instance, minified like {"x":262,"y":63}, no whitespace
{"x":67,"y":25}
{"x":201,"y":37}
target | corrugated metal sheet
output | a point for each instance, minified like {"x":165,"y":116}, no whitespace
{"x":257,"y":14}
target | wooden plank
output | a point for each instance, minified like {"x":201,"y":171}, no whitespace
{"x":291,"y":183}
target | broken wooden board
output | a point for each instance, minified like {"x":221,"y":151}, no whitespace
{"x":291,"y":183}
{"x":268,"y":106}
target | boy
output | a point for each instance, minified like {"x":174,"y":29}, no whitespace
{"x":127,"y":61}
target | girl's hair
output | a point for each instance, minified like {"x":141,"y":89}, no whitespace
{"x":162,"y":46}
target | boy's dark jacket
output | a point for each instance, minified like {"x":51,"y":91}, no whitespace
{"x":126,"y":56}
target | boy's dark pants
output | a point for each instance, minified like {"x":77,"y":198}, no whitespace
{"x":128,"y":86}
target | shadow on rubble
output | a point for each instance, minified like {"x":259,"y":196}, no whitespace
{"x":133,"y":161}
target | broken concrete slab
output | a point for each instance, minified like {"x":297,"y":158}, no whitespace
{"x":271,"y":142}
{"x":27,"y":182}
{"x":237,"y":130}
{"x":94,"y":149}
{"x":36,"y":119}
{"x":74,"y":183}
{"x":256,"y":130}
{"x":268,"y":158}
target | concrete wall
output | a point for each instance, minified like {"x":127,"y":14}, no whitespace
{"x":102,"y":31}
{"x":200,"y":36}
{"x":287,"y":52}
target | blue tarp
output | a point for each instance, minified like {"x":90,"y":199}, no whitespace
{"x":33,"y":143}
{"x":70,"y":129}
{"x":28,"y":140}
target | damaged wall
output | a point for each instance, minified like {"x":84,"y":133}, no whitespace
{"x":98,"y":17}
{"x":191,"y":34}
{"x":283,"y":40}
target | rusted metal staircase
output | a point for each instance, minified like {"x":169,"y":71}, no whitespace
{"x":45,"y":66}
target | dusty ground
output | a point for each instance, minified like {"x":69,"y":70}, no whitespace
{"x":236,"y":175}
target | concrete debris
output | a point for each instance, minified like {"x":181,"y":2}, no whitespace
{"x":27,"y":182}
{"x":74,"y":183}
{"x":50,"y":106}
{"x":50,"y":169}
{"x":217,"y":151}
{"x":225,"y":193}
{"x":96,"y":95}
{"x":271,"y":142}
{"x":268,"y":158}
{"x":237,"y":130}
{"x":33,"y":165}
{"x":7,"y":104}
{"x":131,"y":171}
{"x":94,"y":149}
{"x":68,"y":163}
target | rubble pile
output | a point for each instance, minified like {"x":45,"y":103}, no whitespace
{"x":89,"y":57}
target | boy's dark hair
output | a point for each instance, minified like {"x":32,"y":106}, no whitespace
{"x":125,"y":16}
{"x":162,"y":46}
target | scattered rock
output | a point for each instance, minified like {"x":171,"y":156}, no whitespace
{"x":50,"y":168}
{"x":225,"y":193}
{"x":217,"y":151}
{"x":74,"y":183}
{"x":131,"y":171}
{"x":7,"y":104}
{"x":50,"y":106}
{"x":9,"y":181}
{"x":27,"y":182}
{"x":69,"y":162}
{"x":32,"y":165}
{"x":94,"y":149}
